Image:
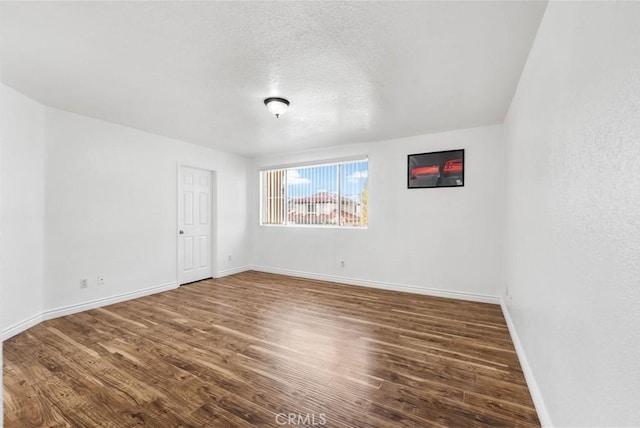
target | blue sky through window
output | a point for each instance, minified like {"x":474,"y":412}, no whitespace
{"x":307,"y":181}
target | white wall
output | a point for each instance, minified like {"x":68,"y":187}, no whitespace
{"x":2,"y":126}
{"x":22,"y":154}
{"x":573,"y":212}
{"x":82,"y":197}
{"x":21,"y":212}
{"x":111,"y":208}
{"x":447,"y":239}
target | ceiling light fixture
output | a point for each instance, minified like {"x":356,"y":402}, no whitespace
{"x":276,"y":105}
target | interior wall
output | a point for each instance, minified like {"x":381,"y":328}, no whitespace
{"x":22,"y":155}
{"x":111,"y":208}
{"x":573,"y":204}
{"x":423,"y":240}
{"x":2,"y":126}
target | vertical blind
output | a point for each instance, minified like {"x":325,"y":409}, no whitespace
{"x":328,"y":194}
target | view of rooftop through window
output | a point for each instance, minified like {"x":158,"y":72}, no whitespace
{"x":334,"y":194}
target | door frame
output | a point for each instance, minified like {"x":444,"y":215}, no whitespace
{"x":213,"y":219}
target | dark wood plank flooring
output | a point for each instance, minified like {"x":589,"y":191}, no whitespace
{"x":257,"y":349}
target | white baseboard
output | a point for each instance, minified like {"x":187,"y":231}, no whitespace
{"x":536,"y":394}
{"x":460,"y":295}
{"x":232,"y":271}
{"x":84,"y":306}
{"x":21,"y":326}
{"x":105,"y":301}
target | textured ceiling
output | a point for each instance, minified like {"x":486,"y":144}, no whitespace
{"x":198,"y":71}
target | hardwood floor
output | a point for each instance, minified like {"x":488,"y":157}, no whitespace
{"x":257,"y":349}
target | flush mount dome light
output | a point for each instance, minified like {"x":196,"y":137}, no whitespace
{"x":276,"y":105}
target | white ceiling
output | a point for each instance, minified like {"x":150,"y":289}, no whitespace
{"x":199,"y":71}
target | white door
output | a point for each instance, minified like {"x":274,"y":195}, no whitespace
{"x":194,"y":224}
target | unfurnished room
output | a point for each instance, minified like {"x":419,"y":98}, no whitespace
{"x":320,"y":214}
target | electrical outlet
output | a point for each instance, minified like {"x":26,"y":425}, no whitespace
{"x":84,"y":283}
{"x":341,"y":263}
{"x":100,"y":279}
{"x":230,"y":257}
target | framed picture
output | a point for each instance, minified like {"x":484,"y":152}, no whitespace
{"x":436,"y":169}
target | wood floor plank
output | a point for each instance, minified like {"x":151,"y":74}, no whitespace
{"x":254,"y":349}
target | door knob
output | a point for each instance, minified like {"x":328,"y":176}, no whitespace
{"x":181,"y":232}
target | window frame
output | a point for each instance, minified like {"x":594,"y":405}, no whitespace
{"x":329,"y":162}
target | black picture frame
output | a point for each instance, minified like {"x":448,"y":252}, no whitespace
{"x":435,"y":169}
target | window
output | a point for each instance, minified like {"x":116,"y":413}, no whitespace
{"x":330,"y":194}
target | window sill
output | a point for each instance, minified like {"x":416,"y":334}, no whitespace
{"x":314,"y":226}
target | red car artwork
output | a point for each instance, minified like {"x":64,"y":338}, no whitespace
{"x":452,"y":167}
{"x":425,"y":171}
